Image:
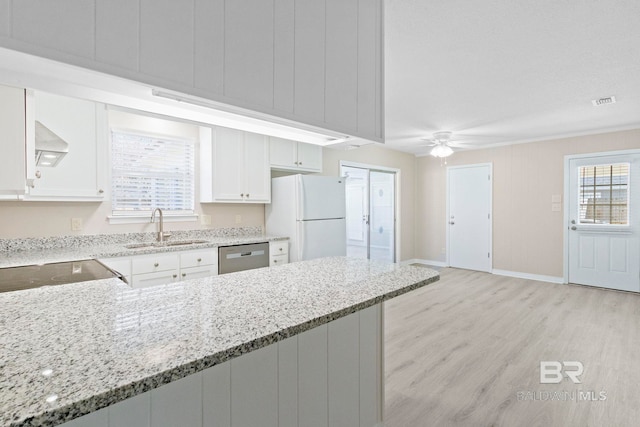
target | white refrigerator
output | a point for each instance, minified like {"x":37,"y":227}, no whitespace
{"x":310,"y":210}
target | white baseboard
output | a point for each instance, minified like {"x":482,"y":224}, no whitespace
{"x":424,"y":261}
{"x":538,"y":277}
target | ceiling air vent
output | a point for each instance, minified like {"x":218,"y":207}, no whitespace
{"x":603,"y":101}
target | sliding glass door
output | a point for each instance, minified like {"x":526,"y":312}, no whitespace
{"x":371,"y":200}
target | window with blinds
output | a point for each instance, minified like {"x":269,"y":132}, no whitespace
{"x":604,"y":194}
{"x":151,"y":172}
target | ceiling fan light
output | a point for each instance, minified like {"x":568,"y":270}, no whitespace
{"x":441,"y":150}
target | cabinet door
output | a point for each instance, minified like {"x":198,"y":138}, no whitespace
{"x":310,"y":157}
{"x":154,"y":279}
{"x":283,"y":153}
{"x":81,"y":125}
{"x":12,"y":140}
{"x":256,"y":168}
{"x":228,"y":165}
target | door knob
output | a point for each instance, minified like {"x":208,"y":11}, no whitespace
{"x":574,"y":228}
{"x":451,"y":222}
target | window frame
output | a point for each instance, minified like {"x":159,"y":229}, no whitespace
{"x":145,"y":216}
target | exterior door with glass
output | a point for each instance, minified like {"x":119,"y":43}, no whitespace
{"x":604,"y":204}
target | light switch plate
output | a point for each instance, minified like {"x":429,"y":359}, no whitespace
{"x":238,"y":219}
{"x":556,"y":198}
{"x":556,"y":207}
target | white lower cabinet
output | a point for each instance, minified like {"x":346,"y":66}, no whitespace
{"x":143,"y":271}
{"x":278,"y":253}
{"x":331,"y":375}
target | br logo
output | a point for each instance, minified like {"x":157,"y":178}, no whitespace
{"x":551,"y":371}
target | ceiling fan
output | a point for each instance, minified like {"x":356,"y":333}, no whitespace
{"x":441,"y":143}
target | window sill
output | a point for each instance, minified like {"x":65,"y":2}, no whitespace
{"x":137,"y":219}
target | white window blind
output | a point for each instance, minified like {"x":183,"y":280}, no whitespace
{"x":151,"y":172}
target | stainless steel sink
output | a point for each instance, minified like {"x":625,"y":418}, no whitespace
{"x":163,"y":244}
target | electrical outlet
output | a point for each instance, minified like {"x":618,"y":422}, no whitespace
{"x":556,"y":207}
{"x":238,"y":219}
{"x":76,"y":224}
{"x":205,"y":219}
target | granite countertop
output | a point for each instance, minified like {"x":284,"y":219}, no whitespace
{"x":70,"y":350}
{"x":42,"y":251}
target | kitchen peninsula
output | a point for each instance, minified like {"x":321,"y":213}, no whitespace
{"x":297,"y":344}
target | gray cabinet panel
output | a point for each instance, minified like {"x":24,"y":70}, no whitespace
{"x":248,"y":52}
{"x":369,"y":68}
{"x":209,"y":45}
{"x":283,"y":55}
{"x":5,"y":18}
{"x":62,"y":25}
{"x":341,"y":103}
{"x":117,"y":29}
{"x":166,"y":40}
{"x":309,"y":59}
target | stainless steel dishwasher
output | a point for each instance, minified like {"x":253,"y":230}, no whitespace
{"x":242,"y":257}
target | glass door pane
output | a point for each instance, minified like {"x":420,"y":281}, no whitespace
{"x":382,"y":215}
{"x":357,"y":204}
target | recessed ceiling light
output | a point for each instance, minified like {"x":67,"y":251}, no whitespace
{"x":603,"y":101}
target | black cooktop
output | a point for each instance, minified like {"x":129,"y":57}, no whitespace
{"x":59,"y":273}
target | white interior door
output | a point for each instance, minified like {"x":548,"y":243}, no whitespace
{"x":604,"y":200}
{"x":469,"y":220}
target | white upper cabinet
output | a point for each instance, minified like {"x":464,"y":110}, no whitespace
{"x":295,"y":156}
{"x":315,"y":62}
{"x":234,"y":167}
{"x":12,"y":140}
{"x":66,"y":146}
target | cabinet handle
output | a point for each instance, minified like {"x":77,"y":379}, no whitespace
{"x":295,"y":163}
{"x":101,"y":191}
{"x":199,"y":259}
{"x":300,"y":163}
{"x":280,"y":249}
{"x":184,"y":274}
{"x":38,"y":174}
{"x":275,"y":261}
{"x":241,"y":194}
{"x":175,"y":275}
{"x":156,"y":265}
{"x":247,"y":195}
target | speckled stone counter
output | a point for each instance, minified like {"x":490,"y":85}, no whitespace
{"x":18,"y":252}
{"x":97,"y":343}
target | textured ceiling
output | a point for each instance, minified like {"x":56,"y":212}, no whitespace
{"x":509,"y":71}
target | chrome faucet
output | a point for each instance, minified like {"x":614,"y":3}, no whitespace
{"x":161,"y":234}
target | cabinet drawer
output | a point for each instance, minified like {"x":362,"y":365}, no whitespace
{"x":154,"y":279}
{"x":198,"y":258}
{"x":279,"y":248}
{"x":198,"y":272}
{"x":278,"y":260}
{"x":154,"y":262}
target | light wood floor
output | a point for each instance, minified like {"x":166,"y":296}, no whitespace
{"x":457,"y":353}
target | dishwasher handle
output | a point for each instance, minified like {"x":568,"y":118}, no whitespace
{"x":245,"y":254}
